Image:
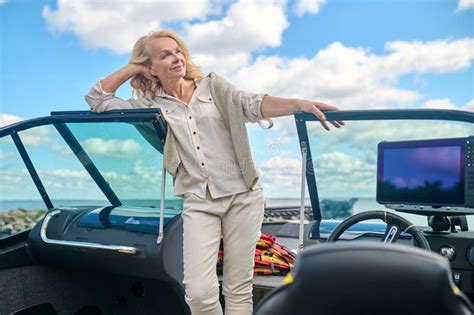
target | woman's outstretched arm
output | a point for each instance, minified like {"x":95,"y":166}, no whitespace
{"x":276,"y":106}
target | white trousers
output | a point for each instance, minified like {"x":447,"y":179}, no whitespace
{"x":238,"y":218}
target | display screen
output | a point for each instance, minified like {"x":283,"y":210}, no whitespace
{"x":427,"y":172}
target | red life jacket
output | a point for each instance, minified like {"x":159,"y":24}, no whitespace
{"x":271,"y":258}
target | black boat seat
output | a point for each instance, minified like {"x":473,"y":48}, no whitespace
{"x":367,"y":278}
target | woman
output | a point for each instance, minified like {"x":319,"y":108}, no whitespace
{"x":208,"y":153}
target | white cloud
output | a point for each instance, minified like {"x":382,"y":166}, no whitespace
{"x":143,"y":180}
{"x":469,"y":106}
{"x":445,"y":103}
{"x":362,"y":137}
{"x":353,"y":77}
{"x":278,"y":165}
{"x":301,"y":7}
{"x":464,"y":5}
{"x":36,"y":136}
{"x":281,"y":177}
{"x":283,"y":131}
{"x":442,"y":103}
{"x":116,"y":25}
{"x":7,"y":119}
{"x":350,"y":77}
{"x":67,"y":173}
{"x":441,"y":56}
{"x":340,"y":174}
{"x":346,"y":76}
{"x":2,"y":2}
{"x":240,"y":30}
{"x":115,"y":148}
{"x":148,"y":172}
{"x":221,"y":44}
{"x":75,"y":184}
{"x":339,"y":164}
{"x":223,"y":65}
{"x":12,"y":180}
{"x":30,"y":137}
{"x":225,"y":45}
{"x":6,"y":155}
{"x":60,"y":184}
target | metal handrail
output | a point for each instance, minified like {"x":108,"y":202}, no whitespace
{"x":115,"y":248}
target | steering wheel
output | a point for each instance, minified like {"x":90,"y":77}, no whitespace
{"x":395,"y":225}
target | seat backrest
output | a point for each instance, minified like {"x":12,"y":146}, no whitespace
{"x":367,"y":278}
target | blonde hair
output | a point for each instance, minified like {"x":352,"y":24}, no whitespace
{"x":141,"y":55}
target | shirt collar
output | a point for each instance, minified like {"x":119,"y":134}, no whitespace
{"x":203,"y":92}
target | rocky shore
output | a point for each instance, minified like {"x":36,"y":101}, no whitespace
{"x":337,"y":209}
{"x":17,"y":220}
{"x":330,"y":209}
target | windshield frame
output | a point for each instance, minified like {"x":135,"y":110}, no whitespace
{"x":301,"y":119}
{"x":59,"y":120}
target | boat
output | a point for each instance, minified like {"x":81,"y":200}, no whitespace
{"x":120,"y":250}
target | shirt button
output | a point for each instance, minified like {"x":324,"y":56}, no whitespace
{"x":202,"y":164}
{"x":190,"y":117}
{"x":210,"y":99}
{"x":198,"y":148}
{"x":194,"y":132}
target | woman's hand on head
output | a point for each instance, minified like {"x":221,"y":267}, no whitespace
{"x":317,"y":109}
{"x":141,"y":69}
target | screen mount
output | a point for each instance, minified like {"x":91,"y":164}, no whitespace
{"x":431,"y":210}
{"x":440,"y":219}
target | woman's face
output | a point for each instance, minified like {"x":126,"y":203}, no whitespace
{"x":168,"y":62}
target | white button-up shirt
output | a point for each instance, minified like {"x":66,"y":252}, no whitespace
{"x":203,"y":142}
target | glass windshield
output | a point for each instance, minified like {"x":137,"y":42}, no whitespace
{"x":15,"y":175}
{"x":20,"y":203}
{"x":345,"y":161}
{"x":128,"y":156}
{"x":61,"y":173}
{"x":72,"y":162}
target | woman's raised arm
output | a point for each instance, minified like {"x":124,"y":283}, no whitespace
{"x":112,"y":82}
{"x":102,"y":98}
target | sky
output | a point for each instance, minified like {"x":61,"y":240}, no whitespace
{"x":353,"y":54}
